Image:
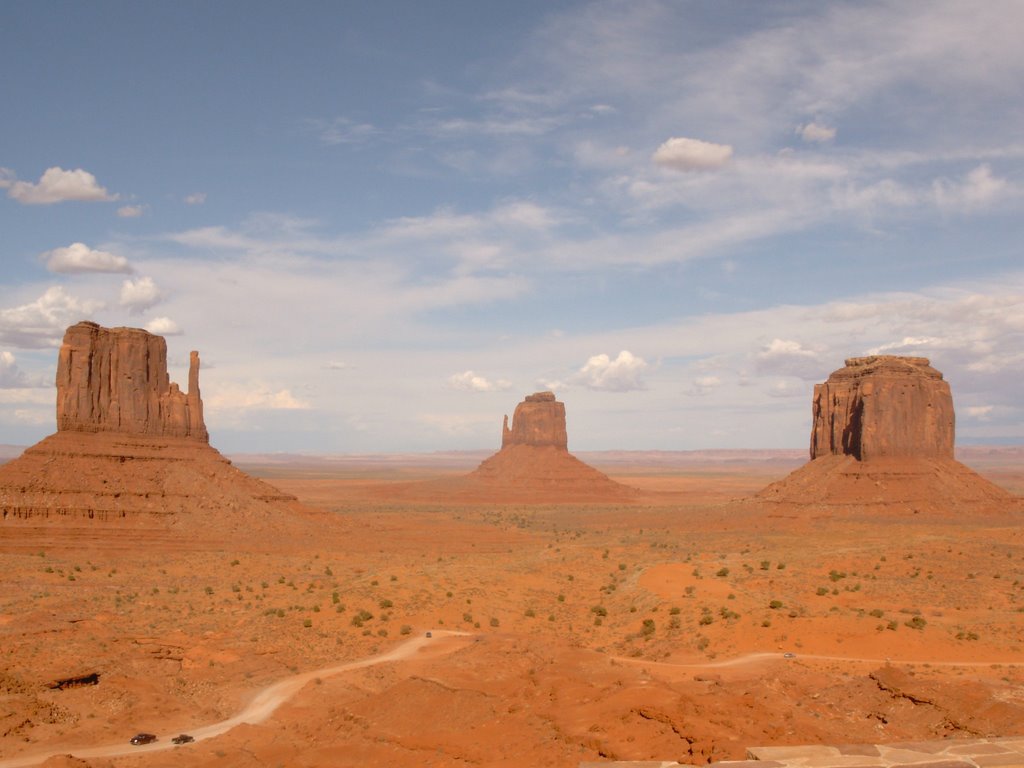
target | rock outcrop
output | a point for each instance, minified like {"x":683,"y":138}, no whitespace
{"x":539,"y":420}
{"x":882,"y":439}
{"x":115,"y":380}
{"x":131,"y":448}
{"x":883,"y":406}
{"x":533,"y":466}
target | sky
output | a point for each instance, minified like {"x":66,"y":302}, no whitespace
{"x":383,"y":224}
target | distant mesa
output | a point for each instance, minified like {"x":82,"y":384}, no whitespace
{"x":882,"y":436}
{"x":539,"y":421}
{"x":533,"y":466}
{"x":130,"y":446}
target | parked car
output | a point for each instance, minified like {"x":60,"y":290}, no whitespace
{"x":789,"y":655}
{"x":182,"y":739}
{"x":143,"y":738}
{"x":430,"y":634}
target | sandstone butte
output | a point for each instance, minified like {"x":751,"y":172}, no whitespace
{"x":533,"y":466}
{"x":130,"y":446}
{"x":882,"y":434}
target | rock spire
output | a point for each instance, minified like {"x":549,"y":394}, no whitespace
{"x":115,"y":380}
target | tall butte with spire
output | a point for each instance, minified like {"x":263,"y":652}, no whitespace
{"x":882,"y":436}
{"x":130,"y":446}
{"x":534,"y":462}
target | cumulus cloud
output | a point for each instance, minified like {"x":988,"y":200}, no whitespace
{"x":790,"y":358}
{"x":905,"y":344}
{"x":131,"y":211}
{"x":11,"y":376}
{"x":57,"y":185}
{"x":163,"y":326}
{"x":78,"y":257}
{"x":196,"y":198}
{"x":816,"y":133}
{"x":683,"y":154}
{"x":622,"y":374}
{"x":470,"y":382}
{"x":704,"y":385}
{"x":139,"y":295}
{"x":41,"y":323}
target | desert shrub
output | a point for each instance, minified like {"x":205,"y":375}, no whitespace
{"x":722,"y":572}
{"x":648,"y":628}
{"x":917,"y":622}
{"x":561,"y":597}
{"x":529,"y":613}
{"x":674,"y":610}
{"x":599,"y":610}
{"x":405,"y":630}
{"x":876,"y":612}
{"x":467,"y":617}
{"x":307,"y":623}
{"x":386,"y":604}
{"x":494,"y":622}
{"x":775,"y":604}
{"x":821,"y":591}
{"x":766,"y":564}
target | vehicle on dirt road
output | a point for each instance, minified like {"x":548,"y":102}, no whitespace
{"x":143,"y":738}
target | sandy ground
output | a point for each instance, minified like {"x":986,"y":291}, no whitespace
{"x":652,"y":630}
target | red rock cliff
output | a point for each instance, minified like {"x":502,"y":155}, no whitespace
{"x":883,"y":405}
{"x":538,"y":420}
{"x":115,"y":380}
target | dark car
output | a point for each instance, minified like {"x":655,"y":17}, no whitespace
{"x":182,"y":739}
{"x":430,"y":634}
{"x":143,"y":738}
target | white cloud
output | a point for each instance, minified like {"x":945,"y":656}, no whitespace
{"x":139,"y":295}
{"x":704,"y":385}
{"x":790,"y":358}
{"x":78,"y":257}
{"x":470,"y":382}
{"x":816,"y":132}
{"x":196,"y":198}
{"x":57,"y":185}
{"x":163,"y":326}
{"x":11,"y":376}
{"x":131,"y":211}
{"x":907,"y":343}
{"x":683,"y":154}
{"x":978,"y":189}
{"x":980,"y":412}
{"x":623,"y":374}
{"x":258,"y":396}
{"x":41,"y":323}
{"x":336,"y":365}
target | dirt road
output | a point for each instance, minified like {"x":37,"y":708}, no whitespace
{"x":258,"y":710}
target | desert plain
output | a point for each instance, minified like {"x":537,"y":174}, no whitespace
{"x":656,"y":626}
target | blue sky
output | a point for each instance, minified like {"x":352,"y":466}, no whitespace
{"x":383,"y":224}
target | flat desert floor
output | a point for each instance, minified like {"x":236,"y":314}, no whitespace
{"x":684,"y":626}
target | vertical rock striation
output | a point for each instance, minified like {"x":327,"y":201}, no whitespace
{"x":883,"y":406}
{"x":115,"y":380}
{"x":539,"y":421}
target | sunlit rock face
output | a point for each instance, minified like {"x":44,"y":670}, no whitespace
{"x":883,"y":406}
{"x":539,"y":420}
{"x":115,"y":380}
